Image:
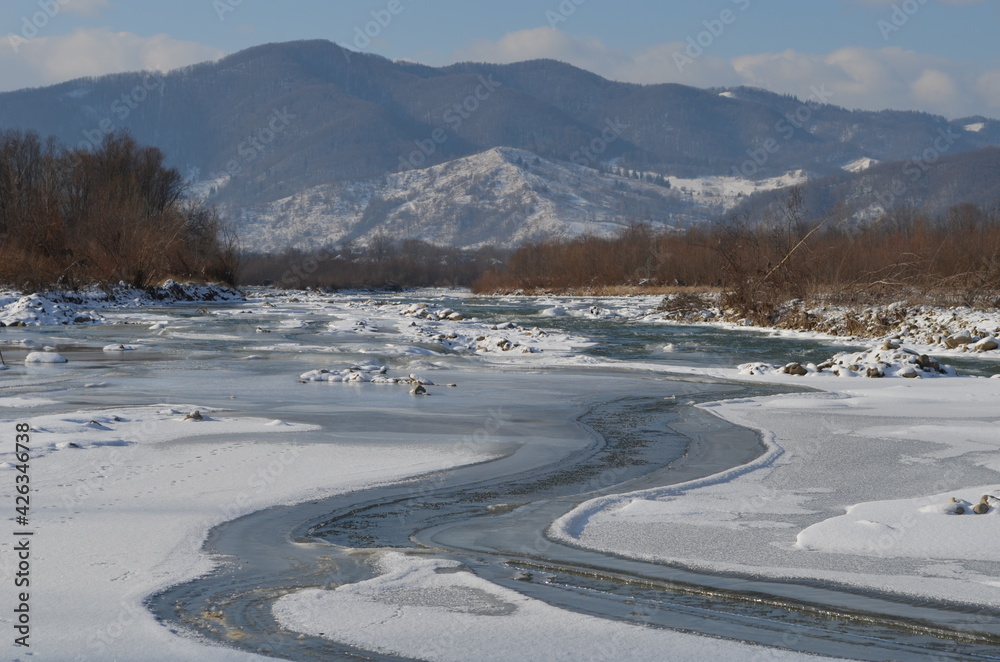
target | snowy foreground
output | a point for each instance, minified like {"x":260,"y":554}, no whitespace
{"x":156,"y":426}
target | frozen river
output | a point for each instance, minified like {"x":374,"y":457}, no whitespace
{"x":532,"y":409}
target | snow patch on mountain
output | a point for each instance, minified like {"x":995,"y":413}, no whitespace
{"x":503,"y":196}
{"x":860,"y":165}
{"x":721,"y":192}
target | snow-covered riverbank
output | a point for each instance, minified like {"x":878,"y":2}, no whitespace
{"x":855,"y":487}
{"x":860,"y":485}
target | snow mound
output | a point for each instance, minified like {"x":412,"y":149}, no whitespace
{"x":889,"y":359}
{"x":44,"y":357}
{"x":63,"y":307}
{"x":361,"y":374}
{"x":924,"y":527}
{"x":44,"y":309}
{"x":119,"y":348}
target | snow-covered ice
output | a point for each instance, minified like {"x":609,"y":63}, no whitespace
{"x":855,"y":488}
{"x":124,"y":498}
{"x":437,"y":610}
{"x":860,"y":482}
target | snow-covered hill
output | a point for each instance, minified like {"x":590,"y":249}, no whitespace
{"x":502,"y":196}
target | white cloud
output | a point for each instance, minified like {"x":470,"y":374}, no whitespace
{"x":935,"y":87}
{"x":871,"y":79}
{"x":656,"y":64}
{"x":585,"y":52}
{"x":875,"y":79}
{"x":92,"y":52}
{"x":988,"y":85}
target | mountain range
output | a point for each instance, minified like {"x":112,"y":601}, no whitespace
{"x":308,"y":143}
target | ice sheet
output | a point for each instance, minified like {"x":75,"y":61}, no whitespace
{"x":436,"y":610}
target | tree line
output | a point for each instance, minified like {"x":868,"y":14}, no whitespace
{"x":115,"y":213}
{"x":383,"y":263}
{"x":759,"y":264}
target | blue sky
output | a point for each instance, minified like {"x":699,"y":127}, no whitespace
{"x":941,"y":56}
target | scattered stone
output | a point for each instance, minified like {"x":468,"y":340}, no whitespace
{"x":927,"y":363}
{"x":874,"y":373}
{"x":981,"y":508}
{"x":194,"y":416}
{"x":795,"y":369}
{"x":987,"y":345}
{"x":958,"y":339}
{"x":418,"y":389}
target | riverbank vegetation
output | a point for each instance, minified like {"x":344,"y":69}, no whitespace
{"x":72,"y":217}
{"x":381,"y":264}
{"x":759,"y":266}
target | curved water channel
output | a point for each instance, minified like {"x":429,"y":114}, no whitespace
{"x":645,"y":442}
{"x":594,"y":431}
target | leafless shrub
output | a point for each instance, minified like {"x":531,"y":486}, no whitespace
{"x":761,"y":264}
{"x":113,"y":214}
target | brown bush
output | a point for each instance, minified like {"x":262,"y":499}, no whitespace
{"x":69,"y":217}
{"x":761,"y":264}
{"x":383,"y":264}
